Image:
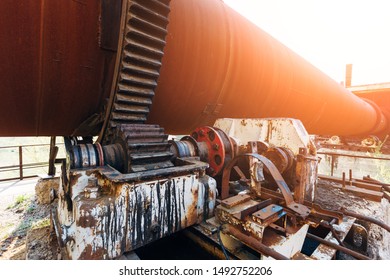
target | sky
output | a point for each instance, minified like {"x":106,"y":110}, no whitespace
{"x":329,"y":33}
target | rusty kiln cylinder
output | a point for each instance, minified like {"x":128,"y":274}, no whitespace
{"x":215,"y":64}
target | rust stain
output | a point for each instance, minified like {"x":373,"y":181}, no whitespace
{"x":90,"y":254}
{"x":74,"y":178}
{"x":191,"y":213}
{"x":211,"y":195}
{"x":86,"y":219}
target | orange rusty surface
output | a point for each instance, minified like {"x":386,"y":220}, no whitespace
{"x":218,"y":64}
{"x":54,"y":75}
{"x":380,"y":96}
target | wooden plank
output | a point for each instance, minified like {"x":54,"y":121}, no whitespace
{"x":372,"y":195}
{"x":386,"y":195}
{"x":371,"y":180}
{"x":368,"y":194}
{"x":356,"y":183}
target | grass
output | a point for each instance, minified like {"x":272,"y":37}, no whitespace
{"x":24,"y":226}
{"x":6,"y":231}
{"x":26,"y":208}
{"x":31,"y":208}
{"x":45,"y":222}
{"x":19,"y":201}
{"x":31,"y":223}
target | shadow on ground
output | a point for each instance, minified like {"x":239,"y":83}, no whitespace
{"x":26,"y":234}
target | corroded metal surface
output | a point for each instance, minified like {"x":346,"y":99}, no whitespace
{"x":268,"y":213}
{"x":142,"y":41}
{"x":54,"y":74}
{"x":228,"y":67}
{"x":233,"y":217}
{"x":287,"y":245}
{"x":145,"y":147}
{"x":216,"y":64}
{"x":280,"y":132}
{"x":220,"y":148}
{"x":235,"y":200}
{"x":266,"y":251}
{"x":299,"y":209}
{"x":125,"y":216}
{"x":333,"y":245}
{"x":324,"y":252}
{"x":378,"y":93}
{"x":285,"y":142}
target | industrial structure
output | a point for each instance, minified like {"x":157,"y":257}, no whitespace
{"x":133,"y":72}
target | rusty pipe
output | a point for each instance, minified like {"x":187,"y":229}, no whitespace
{"x":254,"y":243}
{"x":58,"y":63}
{"x":338,"y":247}
{"x":218,"y":64}
{"x":365,"y":218}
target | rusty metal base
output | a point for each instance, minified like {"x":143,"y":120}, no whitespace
{"x":292,"y":246}
{"x":102,"y":214}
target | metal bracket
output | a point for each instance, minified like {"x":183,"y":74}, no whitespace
{"x":300,"y":209}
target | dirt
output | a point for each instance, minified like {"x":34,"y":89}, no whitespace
{"x":41,"y":244}
{"x":330,"y":196}
{"x":25,"y":230}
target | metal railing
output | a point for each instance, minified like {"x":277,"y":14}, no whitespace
{"x":17,"y":171}
{"x":333,"y":155}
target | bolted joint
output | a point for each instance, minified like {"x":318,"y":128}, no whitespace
{"x":155,"y":228}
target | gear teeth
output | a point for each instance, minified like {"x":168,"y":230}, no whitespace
{"x":142,"y":51}
{"x":147,"y":147}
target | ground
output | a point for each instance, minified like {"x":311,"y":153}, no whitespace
{"x":332,"y":198}
{"x":25,"y":225}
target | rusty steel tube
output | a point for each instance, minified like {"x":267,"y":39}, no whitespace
{"x":58,"y":63}
{"x":366,"y":218}
{"x":338,"y":247}
{"x":218,"y":64}
{"x":254,"y":243}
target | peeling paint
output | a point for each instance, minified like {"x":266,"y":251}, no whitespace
{"x":129,"y":215}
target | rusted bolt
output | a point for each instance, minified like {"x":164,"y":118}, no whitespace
{"x":201,"y":132}
{"x":302,"y":151}
{"x":211,"y":135}
{"x":216,"y":147}
{"x":156,"y":228}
